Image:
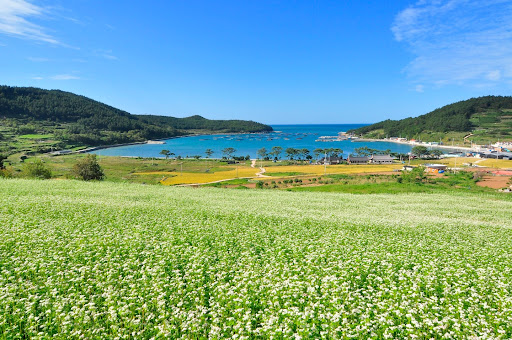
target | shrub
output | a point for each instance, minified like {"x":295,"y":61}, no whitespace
{"x":2,"y":159}
{"x":259,"y":184}
{"x":88,"y":169}
{"x":4,"y":173}
{"x":37,"y":169}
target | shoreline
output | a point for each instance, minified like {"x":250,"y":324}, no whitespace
{"x":453,"y":147}
{"x":101,"y":147}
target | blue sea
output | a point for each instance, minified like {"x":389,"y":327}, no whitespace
{"x":286,"y":136}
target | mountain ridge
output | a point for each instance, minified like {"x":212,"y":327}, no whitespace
{"x":485,"y":117}
{"x":58,"y":119}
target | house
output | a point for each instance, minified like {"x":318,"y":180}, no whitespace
{"x":357,"y":160}
{"x":497,"y":155}
{"x":408,"y":167}
{"x":330,"y":160}
{"x":381,"y":159}
{"x":436,"y":168}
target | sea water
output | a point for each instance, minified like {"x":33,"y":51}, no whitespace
{"x":285,"y":136}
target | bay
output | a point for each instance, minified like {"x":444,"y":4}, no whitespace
{"x":286,"y":136}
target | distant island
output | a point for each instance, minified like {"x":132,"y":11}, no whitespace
{"x":34,"y":120}
{"x":476,"y":120}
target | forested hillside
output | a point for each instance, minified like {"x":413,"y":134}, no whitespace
{"x":488,"y":117}
{"x":37,"y":120}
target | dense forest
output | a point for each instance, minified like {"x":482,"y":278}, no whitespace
{"x":491,"y":114}
{"x":58,"y":119}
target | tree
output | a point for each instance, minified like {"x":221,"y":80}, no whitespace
{"x":276,"y":152}
{"x":419,"y":150}
{"x":88,"y":169}
{"x":262,"y":153}
{"x":317,"y":152}
{"x":416,"y":175}
{"x":166,"y":153}
{"x":209,"y":153}
{"x":228,"y":152}
{"x":290,"y":153}
{"x":37,"y":169}
{"x":304,"y":153}
{"x":336,"y":152}
{"x":436,"y":153}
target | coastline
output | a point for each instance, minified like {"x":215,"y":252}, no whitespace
{"x":101,"y":147}
{"x":452,"y":147}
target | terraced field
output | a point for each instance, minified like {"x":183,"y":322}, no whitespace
{"x":108,"y":260}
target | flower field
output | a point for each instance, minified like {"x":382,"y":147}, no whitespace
{"x":108,"y":260}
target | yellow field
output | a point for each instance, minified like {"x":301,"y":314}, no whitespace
{"x":496,"y":163}
{"x":206,"y":177}
{"x":334,"y":169}
{"x":175,"y":177}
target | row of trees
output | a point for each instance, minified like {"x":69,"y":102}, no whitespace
{"x":305,"y":154}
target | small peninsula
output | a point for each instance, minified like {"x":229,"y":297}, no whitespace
{"x":34,"y":120}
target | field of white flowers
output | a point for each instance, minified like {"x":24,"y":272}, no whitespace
{"x":104,"y":260}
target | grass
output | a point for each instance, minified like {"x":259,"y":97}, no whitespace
{"x":36,"y":136}
{"x":115,"y":260}
{"x":283,"y":174}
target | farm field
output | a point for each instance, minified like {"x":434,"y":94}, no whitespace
{"x":116,"y":260}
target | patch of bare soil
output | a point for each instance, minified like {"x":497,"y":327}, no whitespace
{"x":494,"y":182}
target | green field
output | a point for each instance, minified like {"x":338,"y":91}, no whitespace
{"x":115,"y":260}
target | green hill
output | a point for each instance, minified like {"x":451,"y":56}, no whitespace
{"x":484,"y":117}
{"x":37,"y":120}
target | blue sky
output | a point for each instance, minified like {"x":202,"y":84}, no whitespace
{"x":269,"y":61}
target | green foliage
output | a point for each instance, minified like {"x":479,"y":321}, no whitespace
{"x":166,"y":153}
{"x":228,"y":152}
{"x":88,"y":169}
{"x":37,"y":169}
{"x":419,"y":150}
{"x":262,"y":153}
{"x":276,"y":151}
{"x":366,"y":151}
{"x":453,"y":117}
{"x":416,"y":175}
{"x":75,"y":120}
{"x":209,"y":152}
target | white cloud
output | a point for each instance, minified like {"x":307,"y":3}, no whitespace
{"x":107,"y":54}
{"x":14,"y":21}
{"x":494,"y":75}
{"x":38,"y":59}
{"x":64,"y":77}
{"x":37,"y":78}
{"x":463,"y":42}
{"x":419,"y":88}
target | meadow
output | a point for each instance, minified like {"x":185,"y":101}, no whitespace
{"x":116,"y":260}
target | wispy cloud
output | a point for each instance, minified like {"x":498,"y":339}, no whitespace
{"x":467,"y":42}
{"x":15,"y":21}
{"x":64,"y":77}
{"x":107,"y":54}
{"x":37,"y":78}
{"x":38,"y":59}
{"x":419,"y":88}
